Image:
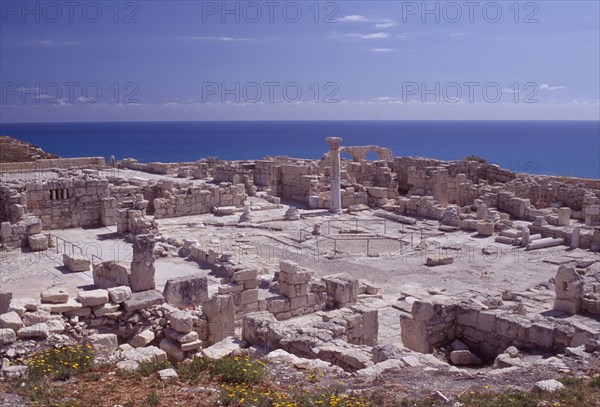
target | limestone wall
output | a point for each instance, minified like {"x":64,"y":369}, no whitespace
{"x":67,"y":203}
{"x":294,"y":181}
{"x":197,"y":200}
{"x":153,"y":168}
{"x":487,"y":332}
{"x":61,"y":163}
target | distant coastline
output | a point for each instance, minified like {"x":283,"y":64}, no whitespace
{"x":561,"y":148}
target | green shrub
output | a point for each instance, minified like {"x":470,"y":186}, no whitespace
{"x":238,"y":369}
{"x":59,"y":362}
{"x":152,"y":400}
{"x":475,"y":158}
{"x":149,"y":367}
{"x":194,"y":370}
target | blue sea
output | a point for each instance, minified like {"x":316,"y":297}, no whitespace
{"x":569,"y":148}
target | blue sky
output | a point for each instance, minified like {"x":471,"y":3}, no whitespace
{"x":303,"y":60}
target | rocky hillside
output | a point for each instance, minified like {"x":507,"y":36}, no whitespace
{"x":12,"y":150}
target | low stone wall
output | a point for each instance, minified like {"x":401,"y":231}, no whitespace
{"x":343,"y":337}
{"x":60,"y":163}
{"x":152,"y":168}
{"x":487,"y":332}
{"x":197,"y":200}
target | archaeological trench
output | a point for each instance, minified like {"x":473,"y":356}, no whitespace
{"x":362,"y":265}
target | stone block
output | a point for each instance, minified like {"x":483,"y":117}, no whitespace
{"x":144,"y":299}
{"x":257,"y":329}
{"x":103,"y":344}
{"x":119,"y":294}
{"x":248,"y":296}
{"x":548,"y":386}
{"x":172,"y":349}
{"x":32,"y":225}
{"x":181,"y":321}
{"x":186,"y":291}
{"x":7,"y":336}
{"x":110,"y":274}
{"x":142,"y":339}
{"x":105,"y":309}
{"x":467,"y":316}
{"x":35,"y":331}
{"x":250,"y":284}
{"x":168,"y":375}
{"x":55,"y":295}
{"x":414,"y":335}
{"x":11,"y":320}
{"x":38,"y":242}
{"x":75,"y":264}
{"x":541,"y":335}
{"x":182,"y":337}
{"x":486,"y":322}
{"x":422,"y":311}
{"x":56,"y":326}
{"x":223,"y":348}
{"x":244,"y":275}
{"x":464,"y":358}
{"x":231,"y":288}
{"x":370,"y":325}
{"x":485,"y":228}
{"x":190,"y":346}
{"x":145,"y":354}
{"x":93,"y":298}
{"x":293,"y":290}
{"x":278,"y":304}
{"x":342,"y":287}
{"x":79,"y":312}
{"x":298,"y":302}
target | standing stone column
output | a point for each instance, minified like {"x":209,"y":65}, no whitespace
{"x":525,"y":236}
{"x":575,"y":237}
{"x":564,"y":216}
{"x":142,"y":265}
{"x":220,"y":313}
{"x":5,"y":298}
{"x":336,"y":195}
{"x":482,"y":211}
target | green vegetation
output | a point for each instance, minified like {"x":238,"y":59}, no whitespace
{"x":59,"y":363}
{"x":65,"y":376}
{"x":475,"y":158}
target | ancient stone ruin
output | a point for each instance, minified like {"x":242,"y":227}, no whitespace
{"x":364,"y":265}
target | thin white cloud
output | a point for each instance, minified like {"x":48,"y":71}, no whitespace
{"x":382,"y":49}
{"x":545,"y":86}
{"x":49,"y":42}
{"x":225,"y":39}
{"x":456,"y":35}
{"x":385,"y":24}
{"x":372,"y":36}
{"x":353,"y":19}
{"x":379,"y":23}
{"x":405,"y":36}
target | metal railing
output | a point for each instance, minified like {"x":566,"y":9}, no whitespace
{"x":407,"y":237}
{"x":65,"y":244}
